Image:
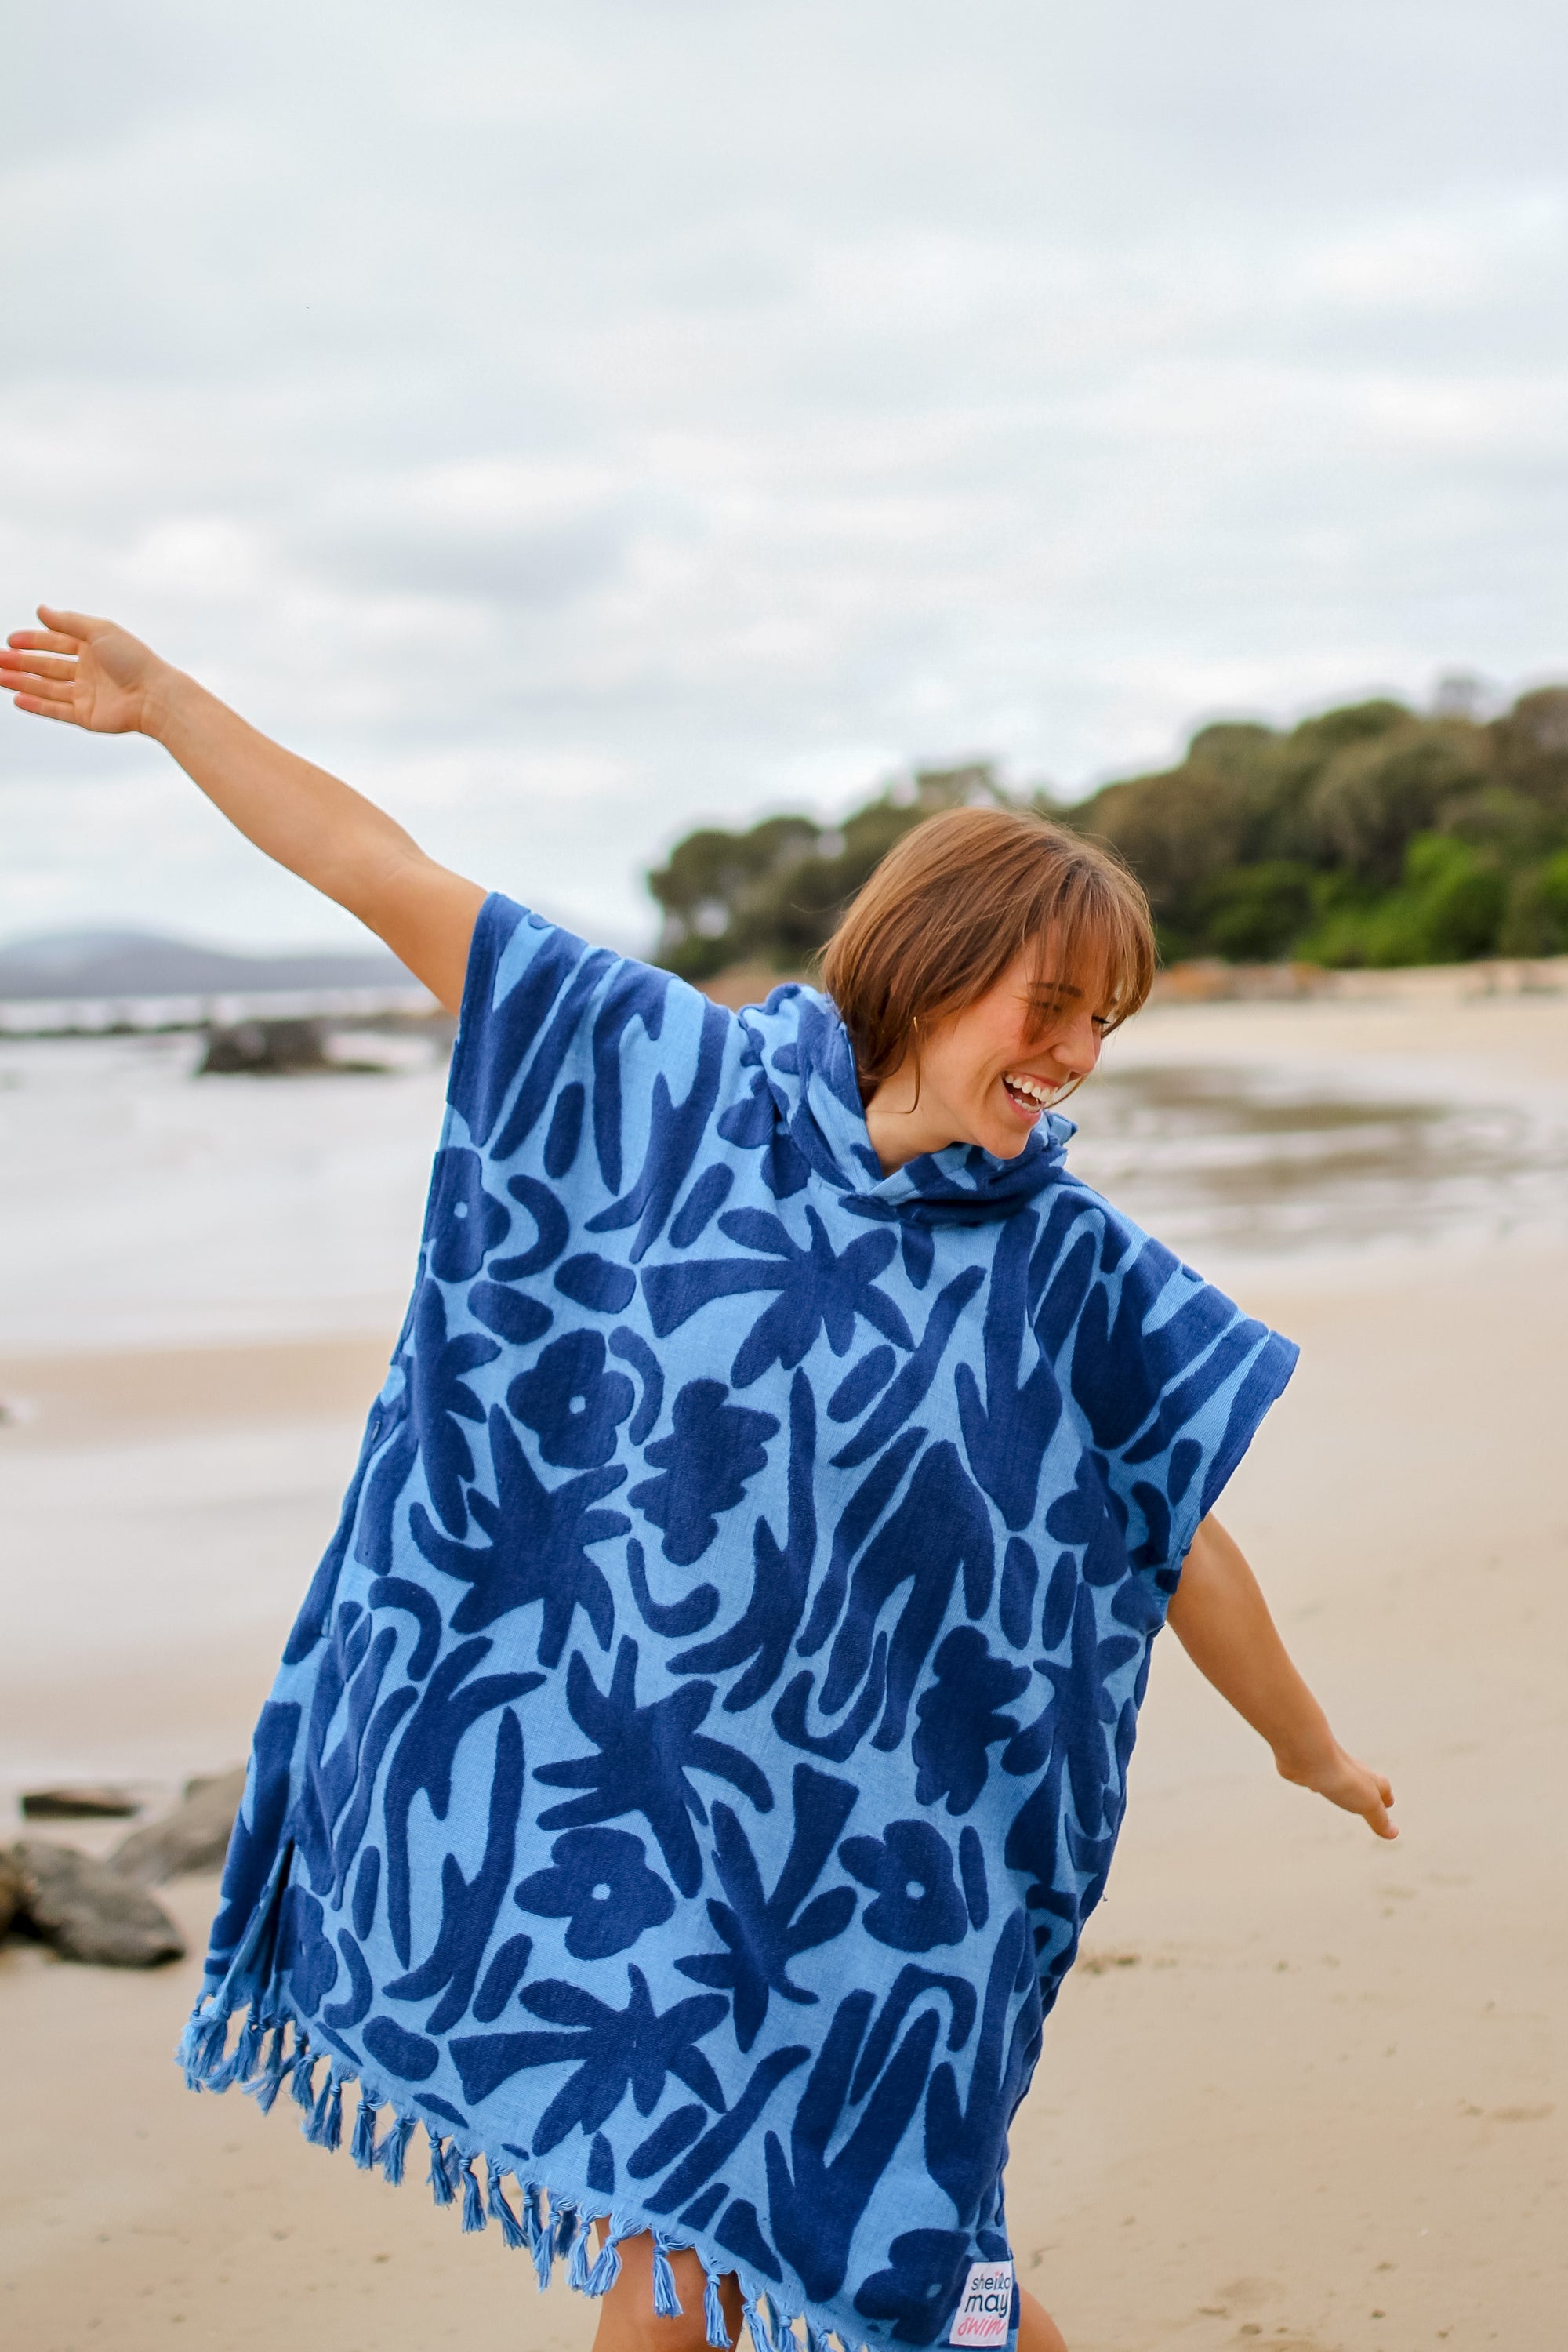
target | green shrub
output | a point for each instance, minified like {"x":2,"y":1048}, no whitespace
{"x":1449,"y":907}
{"x":1371,"y":834}
{"x":1535,"y":922}
{"x":1253,"y":913}
{"x":1457,"y":896}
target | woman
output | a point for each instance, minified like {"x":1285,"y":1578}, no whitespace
{"x":707,"y":1733}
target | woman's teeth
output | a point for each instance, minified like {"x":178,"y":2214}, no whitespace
{"x":1028,"y":1093}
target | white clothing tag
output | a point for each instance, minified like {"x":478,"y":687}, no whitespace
{"x":985,"y":2313}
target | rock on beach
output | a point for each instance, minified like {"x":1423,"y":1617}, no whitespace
{"x":88,"y":1911}
{"x":195,"y":1836}
{"x":79,"y":1804}
{"x":10,"y":1891}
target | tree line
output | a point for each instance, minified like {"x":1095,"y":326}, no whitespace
{"x":1369,"y":835}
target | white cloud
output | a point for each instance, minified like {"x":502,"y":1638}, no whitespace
{"x":572,"y":424}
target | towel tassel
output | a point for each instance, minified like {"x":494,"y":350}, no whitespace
{"x":511,"y":2229}
{"x":581,"y":2242}
{"x":667,"y":2304}
{"x":713,"y":2317}
{"x":200,"y":2046}
{"x":246,"y":2058}
{"x":541,"y":2235}
{"x":760,"y":2323}
{"x":606,"y":2268}
{"x":362,"y":2148}
{"x":269,"y":2080}
{"x":473,"y":2203}
{"x":302,"y":2088}
{"x":324,"y":2126}
{"x":393,"y":2151}
{"x":440,"y":2179}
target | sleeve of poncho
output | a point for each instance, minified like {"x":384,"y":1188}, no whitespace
{"x":1169,"y":1379}
{"x":625,"y":1059}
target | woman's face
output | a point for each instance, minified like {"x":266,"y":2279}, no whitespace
{"x":988,"y":1074}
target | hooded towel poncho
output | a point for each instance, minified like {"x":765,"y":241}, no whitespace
{"x":707,"y":1733}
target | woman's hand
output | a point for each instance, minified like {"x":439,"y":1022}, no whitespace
{"x":94,"y":674}
{"x":1222,"y":1621}
{"x":1345,"y":1784}
{"x":85,"y":671}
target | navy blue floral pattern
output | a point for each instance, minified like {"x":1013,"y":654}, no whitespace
{"x":599,"y":1882}
{"x":707,"y":1731}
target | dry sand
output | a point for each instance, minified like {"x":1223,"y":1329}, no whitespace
{"x":1302,"y":2092}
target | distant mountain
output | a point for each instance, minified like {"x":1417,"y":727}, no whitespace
{"x":144,"y":963}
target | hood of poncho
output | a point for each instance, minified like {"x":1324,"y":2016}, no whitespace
{"x":707,"y":1731}
{"x":807,"y":1065}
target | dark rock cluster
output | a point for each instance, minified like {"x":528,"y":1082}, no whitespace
{"x":103,"y":1912}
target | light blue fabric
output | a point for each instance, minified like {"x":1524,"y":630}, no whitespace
{"x":708,"y":1732}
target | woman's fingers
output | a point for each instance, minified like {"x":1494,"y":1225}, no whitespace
{"x":36,"y":665}
{"x":1356,"y":1788}
{"x":46,"y":641}
{"x":36,"y":676}
{"x":74,"y":624}
{"x":39,"y":709}
{"x":1376,"y":1799}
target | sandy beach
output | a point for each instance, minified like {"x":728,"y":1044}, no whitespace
{"x":1302,"y":2091}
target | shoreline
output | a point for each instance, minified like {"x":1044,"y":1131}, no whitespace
{"x":1301,"y":2089}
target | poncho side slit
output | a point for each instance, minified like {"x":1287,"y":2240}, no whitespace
{"x":707,"y":1732}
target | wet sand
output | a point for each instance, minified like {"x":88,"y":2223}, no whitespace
{"x":1304,"y":2090}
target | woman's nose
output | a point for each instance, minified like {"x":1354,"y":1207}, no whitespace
{"x":1076,"y":1044}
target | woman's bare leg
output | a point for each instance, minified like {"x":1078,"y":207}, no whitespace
{"x":628,"y":2323}
{"x":1038,"y":2331}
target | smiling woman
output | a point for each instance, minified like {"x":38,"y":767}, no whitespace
{"x":977,"y":973}
{"x":750,"y":1577}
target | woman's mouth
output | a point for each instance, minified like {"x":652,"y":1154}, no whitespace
{"x":1028,"y":1096}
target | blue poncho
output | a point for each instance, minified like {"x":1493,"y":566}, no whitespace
{"x":708,"y":1731}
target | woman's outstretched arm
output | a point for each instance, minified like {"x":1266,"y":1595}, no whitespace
{"x":1222,"y":1621}
{"x":91,"y":674}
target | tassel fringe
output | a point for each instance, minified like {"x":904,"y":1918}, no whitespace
{"x":713,"y":2320}
{"x":511,"y":2229}
{"x":324,"y":2126}
{"x":760,"y":2325}
{"x":264,"y":2090}
{"x":549,"y":2228}
{"x":392,"y":2152}
{"x":301,"y":2090}
{"x":606,"y":2269}
{"x":579,"y":2243}
{"x":362,"y":2148}
{"x":440,"y":2179}
{"x":667,"y":2304}
{"x":542,"y":2235}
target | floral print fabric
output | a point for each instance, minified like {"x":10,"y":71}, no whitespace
{"x":708,"y":1732}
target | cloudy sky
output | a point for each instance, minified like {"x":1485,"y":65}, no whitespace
{"x":574,"y":420}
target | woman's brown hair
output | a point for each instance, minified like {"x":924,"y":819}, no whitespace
{"x":957,"y":901}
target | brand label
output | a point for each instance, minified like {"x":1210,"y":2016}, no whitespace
{"x":984,"y":2311}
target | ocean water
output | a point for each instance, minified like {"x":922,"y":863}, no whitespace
{"x":1233,"y":1163}
{"x":146,"y":1582}
{"x":142,"y":1205}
